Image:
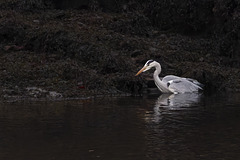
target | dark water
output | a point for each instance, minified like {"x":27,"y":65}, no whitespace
{"x":184,"y":127}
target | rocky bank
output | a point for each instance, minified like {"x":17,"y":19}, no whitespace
{"x":50,"y":53}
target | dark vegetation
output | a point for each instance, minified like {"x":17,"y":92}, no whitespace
{"x":69,"y":49}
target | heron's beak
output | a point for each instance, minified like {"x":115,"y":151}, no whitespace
{"x":143,"y":69}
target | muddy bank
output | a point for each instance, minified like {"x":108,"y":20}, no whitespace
{"x":54,"y":54}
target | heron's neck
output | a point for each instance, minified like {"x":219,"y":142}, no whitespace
{"x":162,"y":87}
{"x":157,"y":71}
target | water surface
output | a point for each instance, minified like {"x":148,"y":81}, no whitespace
{"x":187,"y":126}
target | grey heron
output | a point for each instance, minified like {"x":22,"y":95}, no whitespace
{"x":171,"y":83}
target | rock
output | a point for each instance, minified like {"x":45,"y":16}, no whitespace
{"x":36,"y":21}
{"x":36,"y":92}
{"x":54,"y":95}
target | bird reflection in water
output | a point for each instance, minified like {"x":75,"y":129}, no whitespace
{"x":174,"y":107}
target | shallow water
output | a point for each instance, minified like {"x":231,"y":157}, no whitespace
{"x":188,"y":126}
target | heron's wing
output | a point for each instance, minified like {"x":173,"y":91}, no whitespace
{"x":168,"y":78}
{"x":182,"y":85}
{"x":195,"y":82}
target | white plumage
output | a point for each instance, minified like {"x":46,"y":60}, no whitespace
{"x":171,"y":83}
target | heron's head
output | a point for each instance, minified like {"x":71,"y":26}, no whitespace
{"x":148,"y":65}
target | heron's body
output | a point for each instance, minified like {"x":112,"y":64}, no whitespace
{"x":171,"y":83}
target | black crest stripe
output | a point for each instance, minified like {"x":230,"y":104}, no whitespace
{"x":150,"y":61}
